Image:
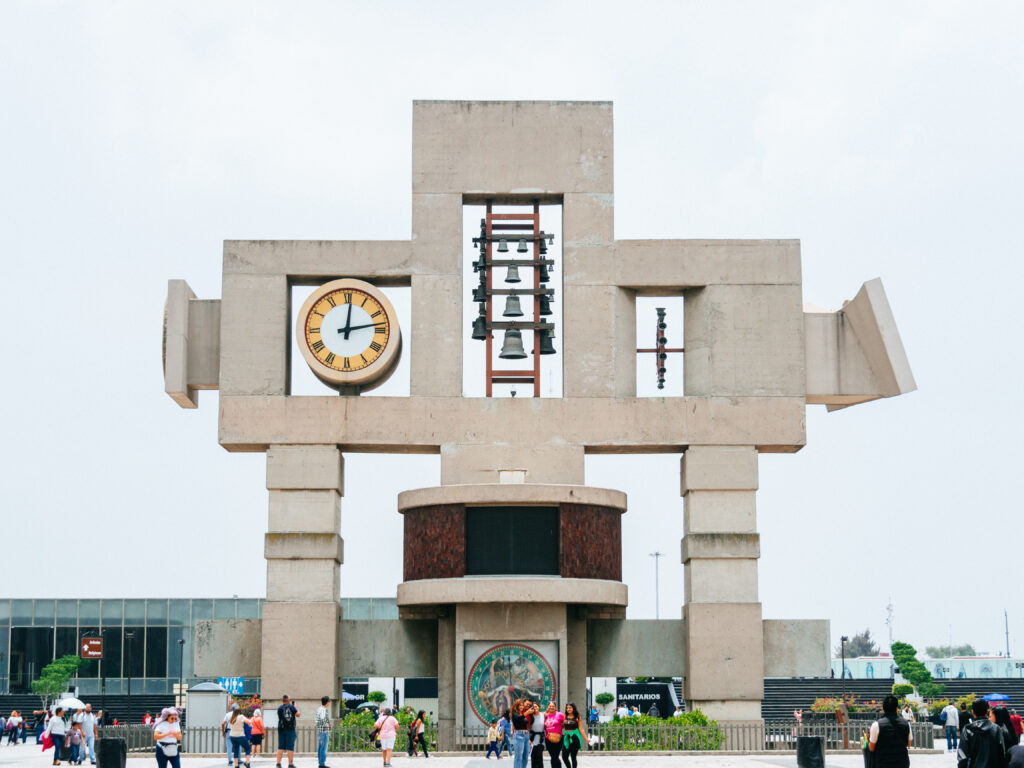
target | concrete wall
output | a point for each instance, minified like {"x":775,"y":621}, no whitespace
{"x":388,"y":648}
{"x":227,"y":647}
{"x":636,"y":647}
{"x":794,"y":648}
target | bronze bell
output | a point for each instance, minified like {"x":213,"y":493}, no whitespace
{"x":503,"y":246}
{"x":543,"y":247}
{"x":512,"y":308}
{"x":546,"y":347}
{"x":512,"y":346}
{"x":522,"y":246}
{"x":544,"y":276}
{"x":480,"y":328}
{"x":545,"y":305}
{"x":513,"y":275}
{"x":480,"y":294}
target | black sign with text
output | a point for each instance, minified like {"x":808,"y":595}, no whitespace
{"x":643,"y":695}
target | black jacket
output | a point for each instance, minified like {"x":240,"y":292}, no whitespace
{"x":981,"y":745}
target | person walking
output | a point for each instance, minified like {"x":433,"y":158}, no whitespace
{"x":167,"y":735}
{"x":224,"y":731}
{"x":654,"y":711}
{"x":76,"y":739}
{"x":236,"y":734}
{"x":1001,"y":717}
{"x":14,"y":727}
{"x":521,"y":732}
{"x":323,"y":730}
{"x":387,"y":727}
{"x":553,"y":733}
{"x":505,"y":732}
{"x":287,"y":715}
{"x":890,"y":737}
{"x":418,"y":733}
{"x":90,"y":731}
{"x":965,"y":718}
{"x":950,"y":717}
{"x":575,"y":735}
{"x":981,"y":742}
{"x":40,"y":723}
{"x":258,"y":729}
{"x":492,"y":740}
{"x":57,"y":729}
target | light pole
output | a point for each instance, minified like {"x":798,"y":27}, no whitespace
{"x":129,"y":636}
{"x":657,"y":556}
{"x":181,"y":669}
{"x":842,"y":666}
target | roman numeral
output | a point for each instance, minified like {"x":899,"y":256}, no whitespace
{"x":347,"y":365}
{"x":348,"y":297}
{"x":364,"y":358}
{"x":380,"y":329}
{"x":317,"y":346}
{"x":330,"y":300}
{"x":330,"y":358}
{"x":315,"y":330}
{"x":376,"y":313}
{"x":375,"y":346}
{"x":364,"y":301}
{"x":316,"y":313}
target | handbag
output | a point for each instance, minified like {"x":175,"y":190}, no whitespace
{"x":554,"y":737}
{"x":170,"y":749}
{"x":47,"y":740}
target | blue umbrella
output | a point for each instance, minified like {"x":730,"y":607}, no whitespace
{"x":996,"y":697}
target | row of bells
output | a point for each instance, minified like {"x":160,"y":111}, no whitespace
{"x":513,"y":307}
{"x":523,"y":248}
{"x":512,"y":344}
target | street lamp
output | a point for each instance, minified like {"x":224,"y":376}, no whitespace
{"x":657,"y":556}
{"x":181,"y":669}
{"x":842,"y":667}
{"x":129,"y":636}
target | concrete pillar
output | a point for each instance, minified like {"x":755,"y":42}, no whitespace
{"x":447,"y":689}
{"x":303,"y":549}
{"x":720,"y":549}
{"x":576,"y":658}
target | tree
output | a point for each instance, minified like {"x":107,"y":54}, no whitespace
{"x":54,"y":677}
{"x":604,"y":698}
{"x":916,"y":673}
{"x":377,"y":696}
{"x":859,"y":645}
{"x":944,"y":651}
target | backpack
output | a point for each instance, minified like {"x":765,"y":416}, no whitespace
{"x":287,"y":719}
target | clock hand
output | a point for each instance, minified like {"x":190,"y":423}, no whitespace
{"x":358,"y":327}
{"x":348,"y":320}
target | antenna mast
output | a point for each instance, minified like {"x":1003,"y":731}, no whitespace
{"x":889,"y":622}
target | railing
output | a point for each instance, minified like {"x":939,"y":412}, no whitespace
{"x":621,"y":736}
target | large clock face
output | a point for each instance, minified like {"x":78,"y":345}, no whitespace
{"x":348,"y":333}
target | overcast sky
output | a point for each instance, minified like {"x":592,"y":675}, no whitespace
{"x":136,"y":137}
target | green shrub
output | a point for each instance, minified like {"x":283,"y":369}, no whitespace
{"x":377,"y":696}
{"x":902,"y":689}
{"x":692,"y":731}
{"x":604,"y":698}
{"x":967,"y":699}
{"x":937,"y":705}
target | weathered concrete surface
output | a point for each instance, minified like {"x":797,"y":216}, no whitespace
{"x":476,"y":463}
{"x":525,"y":493}
{"x":300,"y":651}
{"x":797,"y":648}
{"x":406,"y":648}
{"x":664,"y":267}
{"x":227,"y":647}
{"x":636,"y":647}
{"x":724,"y":653}
{"x":601,"y":425}
{"x":499,"y":589}
{"x":305,"y":467}
{"x":254,"y":334}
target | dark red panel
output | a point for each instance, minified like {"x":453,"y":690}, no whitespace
{"x":435,"y":542}
{"x":590,"y":544}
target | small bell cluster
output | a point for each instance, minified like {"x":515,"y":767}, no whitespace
{"x":512,"y":344}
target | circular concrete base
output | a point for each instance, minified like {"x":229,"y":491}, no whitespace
{"x":512,"y":589}
{"x":522,"y":494}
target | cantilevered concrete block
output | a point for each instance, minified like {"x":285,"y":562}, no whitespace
{"x":254,"y":335}
{"x":719,"y":468}
{"x":191,"y":344}
{"x":855,"y":354}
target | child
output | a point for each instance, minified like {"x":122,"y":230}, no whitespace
{"x":76,"y":738}
{"x":492,"y":740}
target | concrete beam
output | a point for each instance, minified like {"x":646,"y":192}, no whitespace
{"x":636,"y":647}
{"x":423,"y":424}
{"x":663,"y":267}
{"x":797,"y":648}
{"x":406,"y":648}
{"x":473,"y":463}
{"x":314,"y":261}
{"x":227,"y":647}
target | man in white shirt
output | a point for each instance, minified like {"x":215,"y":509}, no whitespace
{"x":88,"y":722}
{"x":622,"y":711}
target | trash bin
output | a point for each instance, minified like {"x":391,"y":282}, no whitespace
{"x":111,"y":753}
{"x":810,"y":751}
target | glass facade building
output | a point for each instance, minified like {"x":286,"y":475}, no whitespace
{"x":140,"y":638}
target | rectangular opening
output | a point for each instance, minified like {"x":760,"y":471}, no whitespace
{"x":648,"y":335}
{"x":302,"y":381}
{"x":475,"y":363}
{"x":512,"y":541}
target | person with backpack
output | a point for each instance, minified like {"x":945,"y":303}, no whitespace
{"x":387,"y":728}
{"x":981,"y":743}
{"x":890,"y":737}
{"x":287,"y":714}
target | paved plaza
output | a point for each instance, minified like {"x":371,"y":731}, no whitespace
{"x":31,"y":755}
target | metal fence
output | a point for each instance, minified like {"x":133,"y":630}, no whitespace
{"x":620,"y":736}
